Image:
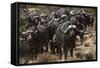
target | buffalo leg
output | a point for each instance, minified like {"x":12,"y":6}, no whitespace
{"x":53,"y":47}
{"x":65,"y":52}
{"x":71,"y":52}
{"x":31,"y":54}
{"x":59,"y":52}
{"x":46,"y":46}
{"x":81,"y":37}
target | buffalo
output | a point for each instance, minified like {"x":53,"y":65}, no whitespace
{"x":65,"y":38}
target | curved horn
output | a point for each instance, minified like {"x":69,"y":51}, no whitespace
{"x":70,"y":26}
{"x":83,"y":30}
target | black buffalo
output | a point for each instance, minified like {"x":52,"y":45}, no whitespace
{"x":32,"y":41}
{"x":37,"y":36}
{"x":52,"y":25}
{"x":65,"y":38}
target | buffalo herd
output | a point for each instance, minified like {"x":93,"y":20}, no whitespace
{"x":56,"y":33}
